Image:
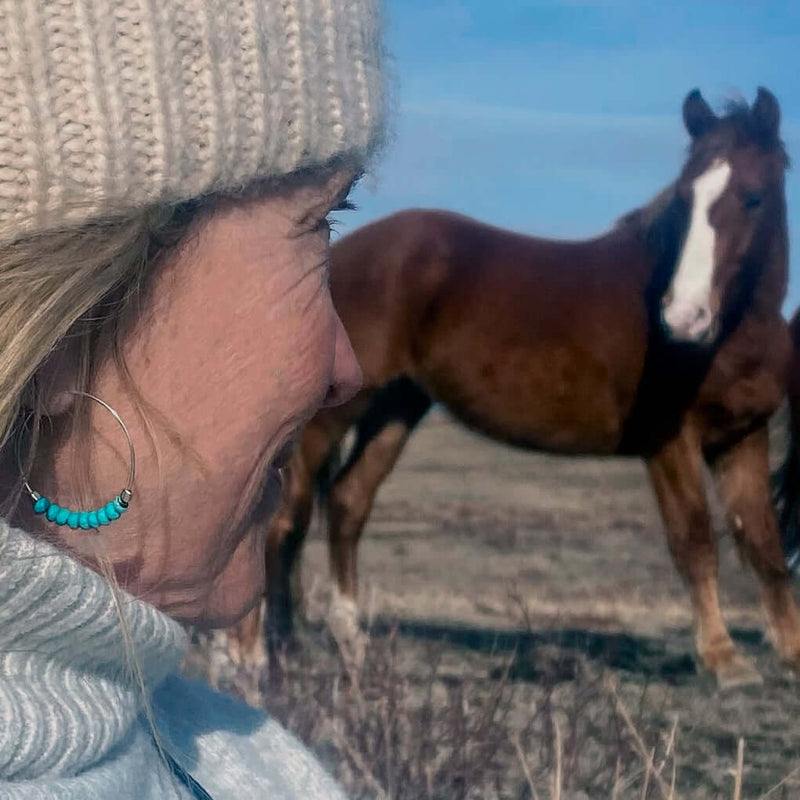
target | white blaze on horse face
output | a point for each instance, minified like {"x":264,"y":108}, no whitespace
{"x":687,"y":313}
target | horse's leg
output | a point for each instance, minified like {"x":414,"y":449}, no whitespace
{"x":381,"y":434}
{"x":743,"y":476}
{"x":287,"y":531}
{"x":290,"y":524}
{"x":676,"y":473}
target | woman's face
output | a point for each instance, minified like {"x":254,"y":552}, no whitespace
{"x":236,"y":346}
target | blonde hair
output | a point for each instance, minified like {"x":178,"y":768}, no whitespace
{"x":78,"y":283}
{"x":73,"y":283}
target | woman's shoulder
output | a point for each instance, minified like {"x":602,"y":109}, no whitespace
{"x":235,"y":750}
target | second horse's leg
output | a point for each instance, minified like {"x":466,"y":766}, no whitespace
{"x":743,"y":476}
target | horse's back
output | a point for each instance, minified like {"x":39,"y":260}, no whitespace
{"x":418,"y":266}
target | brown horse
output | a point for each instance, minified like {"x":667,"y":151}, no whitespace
{"x":661,"y":339}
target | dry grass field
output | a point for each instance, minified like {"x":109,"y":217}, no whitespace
{"x":528,"y":637}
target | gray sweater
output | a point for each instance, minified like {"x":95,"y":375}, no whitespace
{"x":71,"y":721}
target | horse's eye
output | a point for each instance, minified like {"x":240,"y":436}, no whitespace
{"x":752,"y":200}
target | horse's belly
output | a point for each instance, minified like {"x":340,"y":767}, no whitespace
{"x":542,"y":429}
{"x":555,"y":407}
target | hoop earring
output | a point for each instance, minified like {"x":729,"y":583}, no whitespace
{"x":87,"y":520}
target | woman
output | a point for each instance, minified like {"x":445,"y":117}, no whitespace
{"x":166,"y":174}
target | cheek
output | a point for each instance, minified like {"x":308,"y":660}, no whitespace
{"x":304,"y":354}
{"x":236,"y":582}
{"x":258,"y":354}
{"x":731,"y":248}
{"x":237,"y":589}
{"x":734,"y":232}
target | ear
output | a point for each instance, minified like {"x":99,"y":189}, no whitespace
{"x":54,"y":381}
{"x":766,"y":113}
{"x":697,"y":114}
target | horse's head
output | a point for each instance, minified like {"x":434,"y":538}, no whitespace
{"x":732,"y":190}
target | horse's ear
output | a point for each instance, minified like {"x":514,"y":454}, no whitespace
{"x":766,"y":114}
{"x":697,"y":114}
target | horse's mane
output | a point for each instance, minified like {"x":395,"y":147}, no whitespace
{"x":647,"y":215}
{"x":745,"y":128}
{"x":660,"y":225}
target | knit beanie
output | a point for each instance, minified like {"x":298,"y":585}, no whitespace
{"x":107,"y":106}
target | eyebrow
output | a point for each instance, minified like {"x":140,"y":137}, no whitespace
{"x":344,"y":193}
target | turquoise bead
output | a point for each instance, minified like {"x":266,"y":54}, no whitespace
{"x":52,"y":512}
{"x":83,"y":520}
{"x":118,"y":505}
{"x":94,"y":522}
{"x":41,"y":505}
{"x":62,"y":516}
{"x":72,"y":519}
{"x":111,"y":511}
{"x":102,"y":517}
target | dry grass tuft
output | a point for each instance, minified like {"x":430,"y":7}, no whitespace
{"x":417,"y":727}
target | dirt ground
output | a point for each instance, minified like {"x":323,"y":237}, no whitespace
{"x":462,"y":521}
{"x":555,"y":571}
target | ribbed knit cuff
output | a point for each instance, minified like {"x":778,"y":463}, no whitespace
{"x":110,"y":105}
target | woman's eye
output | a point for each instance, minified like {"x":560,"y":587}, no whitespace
{"x":344,"y":205}
{"x":752,"y":200}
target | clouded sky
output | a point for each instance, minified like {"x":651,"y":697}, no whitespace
{"x":554,"y":118}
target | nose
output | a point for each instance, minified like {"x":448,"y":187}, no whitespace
{"x":688,"y":322}
{"x":347,"y":376}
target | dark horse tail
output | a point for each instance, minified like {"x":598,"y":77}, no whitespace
{"x":786,"y":495}
{"x":786,"y":480}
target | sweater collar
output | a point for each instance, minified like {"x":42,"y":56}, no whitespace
{"x":66,"y":682}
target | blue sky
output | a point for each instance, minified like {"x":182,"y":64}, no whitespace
{"x":554,"y":118}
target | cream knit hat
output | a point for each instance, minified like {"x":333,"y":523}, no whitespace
{"x":110,"y":105}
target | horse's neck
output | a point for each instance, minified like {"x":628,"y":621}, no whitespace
{"x":652,"y":248}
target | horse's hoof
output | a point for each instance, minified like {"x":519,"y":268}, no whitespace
{"x":256,"y":659}
{"x":791,"y":661}
{"x":344,"y":626}
{"x":737,"y":673}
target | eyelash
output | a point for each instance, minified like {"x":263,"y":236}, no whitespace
{"x":345,"y":205}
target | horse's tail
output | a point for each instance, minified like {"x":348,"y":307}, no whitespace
{"x":786,"y":495}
